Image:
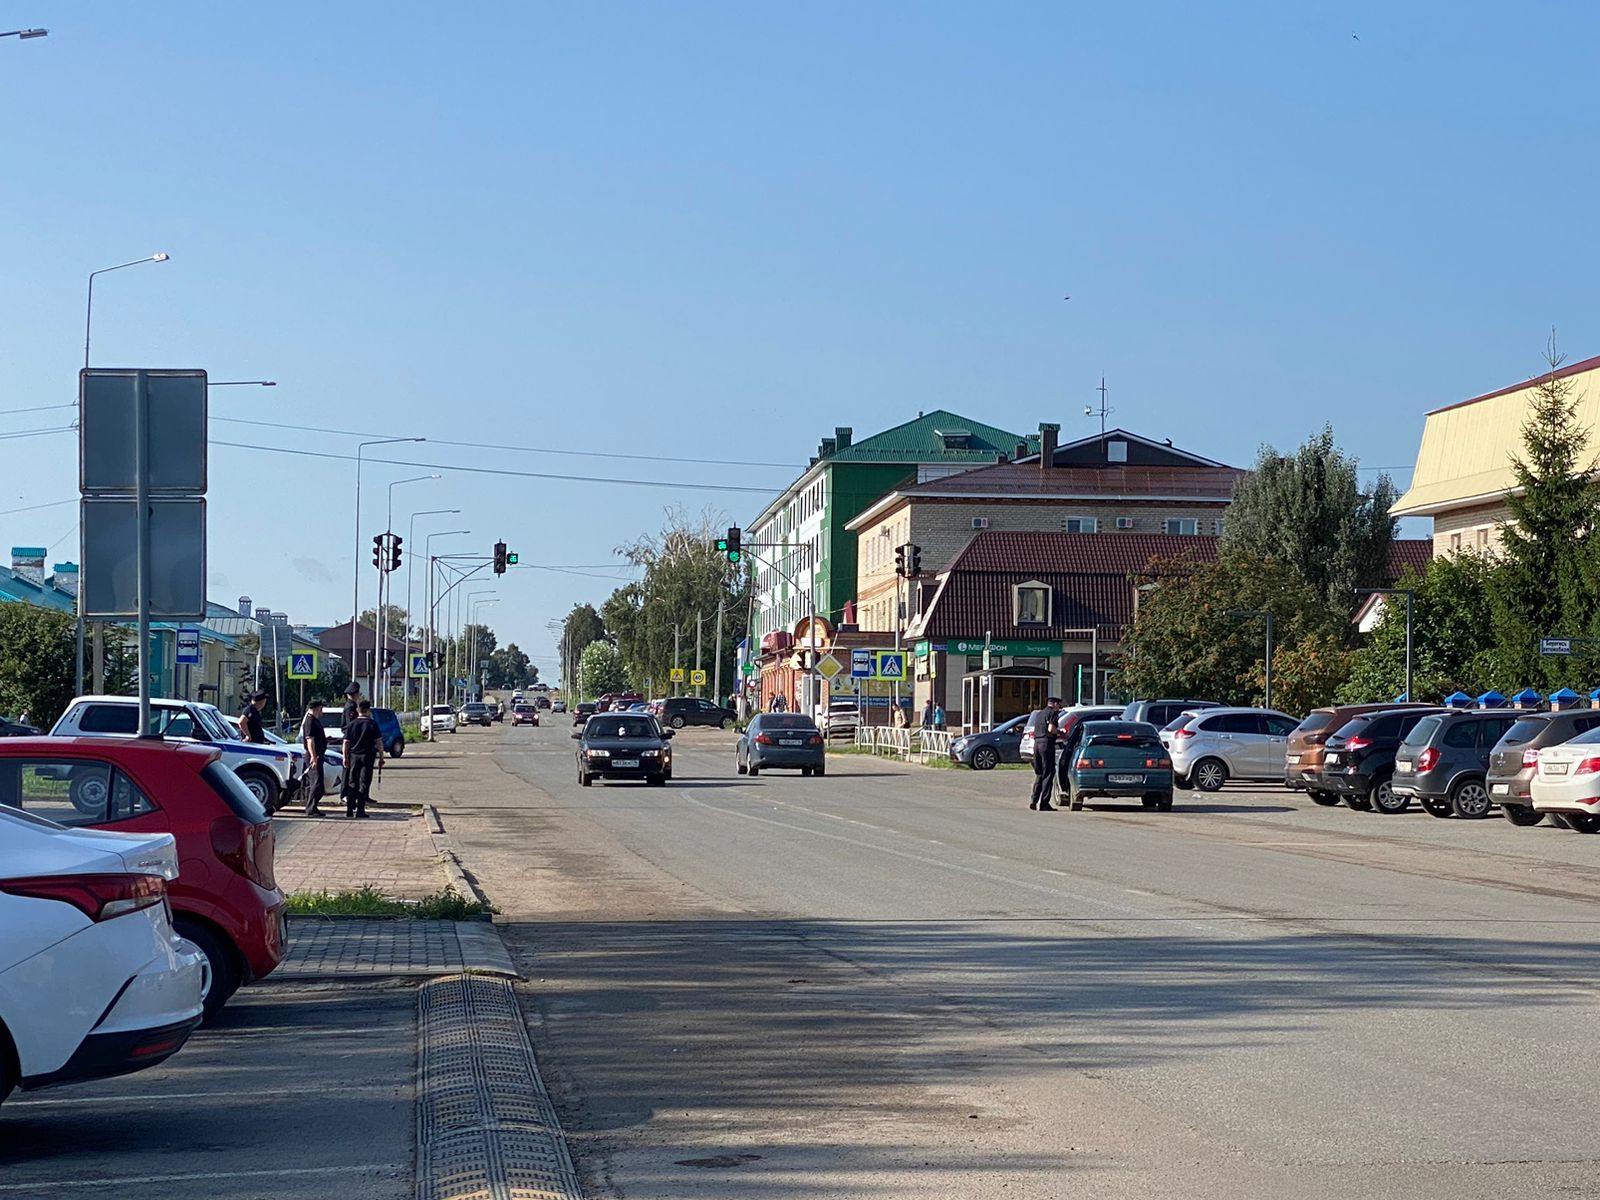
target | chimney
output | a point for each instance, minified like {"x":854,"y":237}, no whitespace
{"x":264,"y":615}
{"x":65,"y":578}
{"x":1047,"y":445}
{"x":843,"y":435}
{"x":827,"y":448}
{"x":244,"y":606}
{"x":1022,"y":450}
{"x":28,"y":562}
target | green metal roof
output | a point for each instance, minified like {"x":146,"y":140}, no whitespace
{"x":922,"y":441}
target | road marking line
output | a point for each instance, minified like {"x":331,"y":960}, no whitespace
{"x":128,"y":1180}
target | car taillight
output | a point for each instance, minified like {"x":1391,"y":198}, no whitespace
{"x":763,"y":740}
{"x":1158,"y":762}
{"x":1357,"y":743}
{"x":98,"y":897}
{"x":1530,"y":758}
{"x":1428,"y":759}
{"x":1316,"y":739}
{"x":1083,"y":764}
{"x":1588,"y":766}
{"x":1183,"y":732}
{"x":814,"y":740}
{"x":242,"y":846}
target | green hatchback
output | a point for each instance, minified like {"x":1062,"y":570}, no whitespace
{"x":1114,"y":759}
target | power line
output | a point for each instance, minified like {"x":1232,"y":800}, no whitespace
{"x":6,"y":512}
{"x":5,"y":412}
{"x":399,"y":462}
{"x":432,"y":441}
{"x":22,"y":433}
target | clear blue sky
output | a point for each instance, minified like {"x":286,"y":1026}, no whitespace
{"x":718,"y":230}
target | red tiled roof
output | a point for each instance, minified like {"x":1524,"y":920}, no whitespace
{"x":1410,"y":552}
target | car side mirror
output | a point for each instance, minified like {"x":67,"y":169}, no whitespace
{"x":668,"y":733}
{"x":577,"y":735}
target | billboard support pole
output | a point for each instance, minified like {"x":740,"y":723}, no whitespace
{"x":141,"y":437}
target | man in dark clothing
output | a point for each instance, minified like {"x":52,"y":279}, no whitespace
{"x":362,"y":743}
{"x":251,"y":727}
{"x":352,"y":694}
{"x":315,"y":740}
{"x":1044,"y":727}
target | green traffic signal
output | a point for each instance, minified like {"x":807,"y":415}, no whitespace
{"x":512,"y":558}
{"x":722,"y":545}
{"x":734,"y":556}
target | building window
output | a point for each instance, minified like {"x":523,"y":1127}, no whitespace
{"x":1455,"y":541}
{"x":1179,"y":526}
{"x":1031,"y":603}
{"x":1220,"y":526}
{"x":1483,"y":539}
{"x":1081,"y":525}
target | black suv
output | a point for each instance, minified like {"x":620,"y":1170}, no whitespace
{"x":1443,"y":762}
{"x":623,"y":746}
{"x":691,"y":710}
{"x":1515,"y":757}
{"x":1358,"y":763}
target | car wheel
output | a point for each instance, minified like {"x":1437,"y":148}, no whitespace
{"x":1153,"y":800}
{"x":753,"y":770}
{"x":1435,"y":808}
{"x":1209,"y":774}
{"x":1383,"y":799}
{"x":1582,"y":822}
{"x":985,"y":758}
{"x":1181,"y":782}
{"x":1521,"y":814}
{"x":820,"y":769}
{"x":1469,"y":800}
{"x":676,"y":722}
{"x":583,"y":779}
{"x":1326,"y":799}
{"x":399,"y":749}
{"x":1359,"y":803}
{"x":263,"y":787}
{"x":727,"y":722}
{"x":805,"y":772}
{"x":1166,"y":802}
{"x":222,"y":976}
{"x":8,"y":1077}
{"x":87,"y":791}
{"x":739,"y":766}
{"x":656,"y":780}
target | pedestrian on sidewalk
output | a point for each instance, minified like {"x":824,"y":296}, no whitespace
{"x":251,"y":727}
{"x":927,"y":714}
{"x":1044,"y":724}
{"x":315,"y":740}
{"x":362,"y":745}
{"x":352,"y":694}
{"x":938,"y":716}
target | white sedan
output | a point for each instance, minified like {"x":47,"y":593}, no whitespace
{"x":93,"y":980}
{"x":1566,"y":783}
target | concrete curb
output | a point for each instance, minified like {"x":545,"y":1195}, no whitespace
{"x":486,"y":1129}
{"x":456,"y":875}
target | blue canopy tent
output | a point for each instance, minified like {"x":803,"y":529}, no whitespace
{"x":1491,"y":699}
{"x":1564,"y":699}
{"x":1458,"y":700}
{"x":1528,"y":698}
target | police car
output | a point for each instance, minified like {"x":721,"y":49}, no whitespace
{"x":272,"y":772}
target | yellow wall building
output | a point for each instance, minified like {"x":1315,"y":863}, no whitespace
{"x":1464,"y":471}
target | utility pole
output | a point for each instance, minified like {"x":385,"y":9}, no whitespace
{"x":716,"y":657}
{"x":677,"y":653}
{"x":699,"y":662}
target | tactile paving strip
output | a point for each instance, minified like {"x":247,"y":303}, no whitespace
{"x":486,"y":1129}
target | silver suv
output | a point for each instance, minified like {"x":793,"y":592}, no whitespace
{"x":1215,"y":745}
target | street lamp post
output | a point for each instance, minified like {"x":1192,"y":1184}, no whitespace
{"x":1267,"y":617}
{"x":432,"y":689}
{"x":355,"y":587}
{"x":23,"y":35}
{"x":380,"y":631}
{"x":411,"y":558}
{"x":1410,"y":596}
{"x":477,"y":604}
{"x":468,"y":611}
{"x":88,"y":325}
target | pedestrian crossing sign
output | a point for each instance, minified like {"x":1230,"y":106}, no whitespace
{"x":419,"y":666}
{"x":891,"y":664}
{"x":303,"y":665}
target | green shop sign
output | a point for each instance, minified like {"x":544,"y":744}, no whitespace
{"x":1009,"y":649}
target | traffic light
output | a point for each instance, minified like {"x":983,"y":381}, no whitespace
{"x":732,"y":546}
{"x":388,"y":660}
{"x":394,"y":551}
{"x":511,"y":558}
{"x":900,"y":560}
{"x":499,"y":558}
{"x":377,"y":551}
{"x":914,"y":561}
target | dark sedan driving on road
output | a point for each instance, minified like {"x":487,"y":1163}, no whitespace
{"x":783,"y":740}
{"x":623,"y":746}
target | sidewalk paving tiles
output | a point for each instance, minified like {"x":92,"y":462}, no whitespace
{"x":341,"y":948}
{"x":393,"y":851}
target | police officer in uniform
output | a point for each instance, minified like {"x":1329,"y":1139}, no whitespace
{"x":1044,"y":727}
{"x":362,"y":745}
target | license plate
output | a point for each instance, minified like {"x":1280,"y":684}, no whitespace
{"x":1501,"y":789}
{"x":1124,"y":778}
{"x":790,"y":742}
{"x":1293,"y":760}
{"x":1402,"y":768}
{"x":1331,"y":759}
{"x":624,"y":762}
{"x":1555,"y":768}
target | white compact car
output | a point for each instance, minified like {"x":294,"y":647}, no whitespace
{"x":1566,"y":783}
{"x":272,"y":773}
{"x":93,"y":981}
{"x":441,"y":718}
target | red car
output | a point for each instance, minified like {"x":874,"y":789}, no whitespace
{"x":524,"y":714}
{"x":225,"y":899}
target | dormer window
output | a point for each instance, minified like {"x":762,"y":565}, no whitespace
{"x":1030,"y":603}
{"x":1117,"y":451}
{"x":955,"y":439}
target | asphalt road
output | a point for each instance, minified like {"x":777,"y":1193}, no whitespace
{"x":895,"y":981}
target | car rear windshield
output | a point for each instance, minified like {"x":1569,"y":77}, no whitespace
{"x":1178,"y":722}
{"x":234,"y":793}
{"x":1524,"y":730}
{"x":1134,"y":741}
{"x":1315,"y":722}
{"x":441,"y":710}
{"x":1422,"y":732}
{"x":1586,"y":739}
{"x":619,"y":726}
{"x":787,"y":721}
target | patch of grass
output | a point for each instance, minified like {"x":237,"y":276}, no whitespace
{"x":368,"y":901}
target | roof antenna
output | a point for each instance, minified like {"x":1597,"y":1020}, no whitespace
{"x":1089,"y":410}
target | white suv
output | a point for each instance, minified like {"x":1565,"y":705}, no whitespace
{"x":1218,"y":744}
{"x":273,"y":772}
{"x":441,"y":718}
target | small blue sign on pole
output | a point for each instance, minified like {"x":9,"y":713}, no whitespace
{"x":861,"y":666}
{"x":188,"y":646}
